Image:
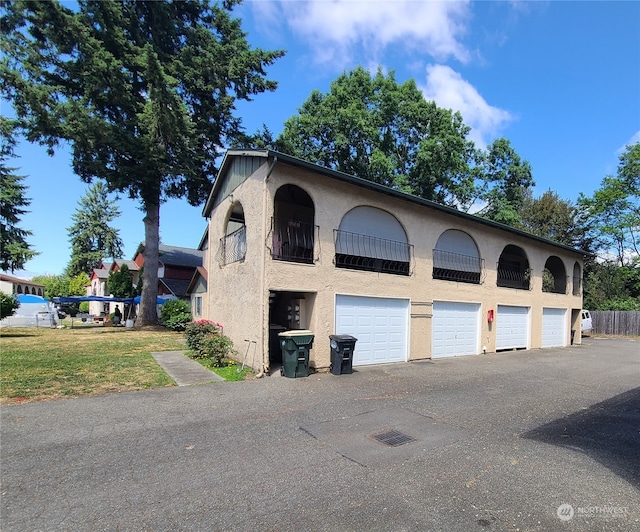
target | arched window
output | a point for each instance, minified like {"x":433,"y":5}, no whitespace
{"x":19,"y":289}
{"x":513,"y":268}
{"x":292,"y":226}
{"x":577,"y":279}
{"x":233,"y":246}
{"x":554,"y":276}
{"x":374,"y":240}
{"x":456,"y":258}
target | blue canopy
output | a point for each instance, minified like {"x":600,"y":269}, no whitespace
{"x":29,"y":298}
{"x":159,"y":300}
{"x":78,"y":299}
{"x":128,"y":300}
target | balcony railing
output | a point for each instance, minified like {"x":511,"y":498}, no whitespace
{"x":233,"y":247}
{"x":554,"y":284}
{"x":370,"y":253}
{"x":456,"y":267}
{"x":510,"y":277}
{"x":293,"y":241}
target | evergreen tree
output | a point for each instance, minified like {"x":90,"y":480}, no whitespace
{"x":143,"y":91}
{"x":91,"y":237}
{"x":15,"y":251}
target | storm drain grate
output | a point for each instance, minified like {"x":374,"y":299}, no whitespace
{"x":393,"y":438}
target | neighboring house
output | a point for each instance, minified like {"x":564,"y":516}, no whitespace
{"x":98,"y":284}
{"x":197,"y":288}
{"x":14,"y":285}
{"x":98,"y":287}
{"x":175,"y":270}
{"x":299,"y":246}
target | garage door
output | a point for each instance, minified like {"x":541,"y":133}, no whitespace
{"x":554,"y":327}
{"x":512,"y":327}
{"x":456,"y":329}
{"x":379,"y":324}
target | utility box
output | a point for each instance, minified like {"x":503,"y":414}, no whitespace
{"x":295,"y":347}
{"x":342,"y":347}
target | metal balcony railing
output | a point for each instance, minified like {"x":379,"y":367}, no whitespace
{"x":456,"y":267}
{"x":293,"y":241}
{"x":510,"y":277}
{"x":554,"y":284}
{"x":233,"y":247}
{"x":363,"y":252}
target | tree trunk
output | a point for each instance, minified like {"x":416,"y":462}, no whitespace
{"x":148,"y":314}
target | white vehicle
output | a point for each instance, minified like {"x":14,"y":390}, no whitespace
{"x":587,"y":324}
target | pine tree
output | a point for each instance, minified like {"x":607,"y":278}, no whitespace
{"x":15,"y":251}
{"x":92,"y":238}
{"x":143,"y":91}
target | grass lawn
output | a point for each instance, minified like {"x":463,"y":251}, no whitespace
{"x":38,"y":363}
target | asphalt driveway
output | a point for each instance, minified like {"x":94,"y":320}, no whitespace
{"x":527,"y":440}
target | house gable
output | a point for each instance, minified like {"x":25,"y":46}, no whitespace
{"x":236,"y":167}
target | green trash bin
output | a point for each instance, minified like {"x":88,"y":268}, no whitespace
{"x":295,"y":352}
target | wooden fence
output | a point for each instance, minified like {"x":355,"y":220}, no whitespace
{"x":618,"y":322}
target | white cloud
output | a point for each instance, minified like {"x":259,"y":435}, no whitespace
{"x":633,"y":140}
{"x":335,"y":29}
{"x":449,"y":90}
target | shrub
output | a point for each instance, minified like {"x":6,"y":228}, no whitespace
{"x":175,"y":314}
{"x":84,"y":307}
{"x":205,"y":340}
{"x":8,"y":305}
{"x":219,"y":349}
{"x":196,"y":332}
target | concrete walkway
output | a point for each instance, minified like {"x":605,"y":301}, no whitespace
{"x":183,"y":370}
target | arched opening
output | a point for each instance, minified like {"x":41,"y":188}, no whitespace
{"x":33,"y":290}
{"x":373,"y":240}
{"x":577,"y":279}
{"x":292,"y":225}
{"x":233,"y":246}
{"x":513,"y":268}
{"x":456,"y":258}
{"x":19,"y":289}
{"x":554,"y":276}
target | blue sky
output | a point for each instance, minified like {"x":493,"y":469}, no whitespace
{"x":560,"y":80}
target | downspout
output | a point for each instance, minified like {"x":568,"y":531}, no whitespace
{"x":265,"y":353}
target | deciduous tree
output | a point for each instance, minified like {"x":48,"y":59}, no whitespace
{"x":615,"y":209}
{"x":559,"y":220}
{"x":143,"y":91}
{"x":378,"y":129}
{"x":507,"y":178}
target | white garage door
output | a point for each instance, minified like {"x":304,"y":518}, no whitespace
{"x":553,"y":327}
{"x":379,"y":324}
{"x":456,"y":329}
{"x":512,"y":327}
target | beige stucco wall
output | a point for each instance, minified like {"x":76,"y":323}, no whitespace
{"x":239,"y":292}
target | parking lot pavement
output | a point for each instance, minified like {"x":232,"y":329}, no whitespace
{"x":526,"y":440}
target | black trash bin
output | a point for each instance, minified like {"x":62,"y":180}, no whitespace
{"x":342,"y":346}
{"x":295,"y":352}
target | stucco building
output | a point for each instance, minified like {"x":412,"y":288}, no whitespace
{"x":294,"y":245}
